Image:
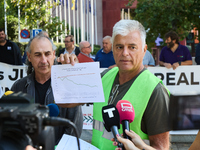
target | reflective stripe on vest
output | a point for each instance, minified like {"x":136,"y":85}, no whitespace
{"x":98,"y":125}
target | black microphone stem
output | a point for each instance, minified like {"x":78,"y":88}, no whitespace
{"x":125,"y":125}
{"x":115,"y":131}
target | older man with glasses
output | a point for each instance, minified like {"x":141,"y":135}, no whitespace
{"x":84,"y":55}
{"x":70,"y":48}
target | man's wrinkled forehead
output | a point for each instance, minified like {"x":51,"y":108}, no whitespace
{"x":36,"y":41}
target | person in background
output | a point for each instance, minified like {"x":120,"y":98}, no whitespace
{"x":197,"y":54}
{"x":84,"y":55}
{"x":148,"y":59}
{"x":9,"y":51}
{"x":37,"y":83}
{"x":105,"y":55}
{"x":70,"y":48}
{"x":174,"y":54}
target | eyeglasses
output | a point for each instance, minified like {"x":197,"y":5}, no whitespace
{"x":88,"y":46}
{"x":67,"y":41}
{"x":114,"y":94}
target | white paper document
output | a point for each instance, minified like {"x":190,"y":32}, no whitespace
{"x":69,"y":142}
{"x":80,"y":83}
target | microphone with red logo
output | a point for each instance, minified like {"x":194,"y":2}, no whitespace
{"x":127,"y":115}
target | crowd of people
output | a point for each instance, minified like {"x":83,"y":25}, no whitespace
{"x":127,"y":59}
{"x":171,"y":56}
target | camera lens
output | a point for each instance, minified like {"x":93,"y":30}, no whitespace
{"x":14,"y":139}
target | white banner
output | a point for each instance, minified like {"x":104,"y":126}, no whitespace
{"x":9,"y":74}
{"x":185,"y":80}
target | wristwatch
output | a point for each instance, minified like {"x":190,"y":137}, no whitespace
{"x":179,"y":63}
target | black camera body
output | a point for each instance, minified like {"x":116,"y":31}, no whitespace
{"x":21,"y":124}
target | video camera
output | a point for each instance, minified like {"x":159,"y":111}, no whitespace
{"x":22,"y":124}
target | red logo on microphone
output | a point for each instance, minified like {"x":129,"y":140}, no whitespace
{"x":126,"y":107}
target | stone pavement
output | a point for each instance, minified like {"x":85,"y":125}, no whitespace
{"x":178,"y":142}
{"x":180,"y":146}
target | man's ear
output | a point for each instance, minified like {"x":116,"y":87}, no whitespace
{"x":54,"y":54}
{"x":82,"y":50}
{"x":28,"y":56}
{"x":145,"y":48}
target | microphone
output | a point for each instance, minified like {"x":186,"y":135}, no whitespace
{"x":112,"y":121}
{"x":53,"y":110}
{"x":127,"y":115}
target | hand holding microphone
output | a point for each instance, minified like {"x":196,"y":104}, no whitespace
{"x":135,"y":143}
{"x":128,"y":144}
{"x":131,"y":140}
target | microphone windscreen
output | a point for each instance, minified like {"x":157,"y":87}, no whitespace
{"x":126,"y":111}
{"x":53,"y":110}
{"x":110,"y":117}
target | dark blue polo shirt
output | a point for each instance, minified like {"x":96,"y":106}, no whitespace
{"x":7,"y":53}
{"x":105,"y":60}
{"x":181,"y":54}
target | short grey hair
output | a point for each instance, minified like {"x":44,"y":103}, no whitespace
{"x":81,"y":45}
{"x":108,"y":37}
{"x":39,"y":36}
{"x":124,"y":27}
{"x":43,"y":33}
